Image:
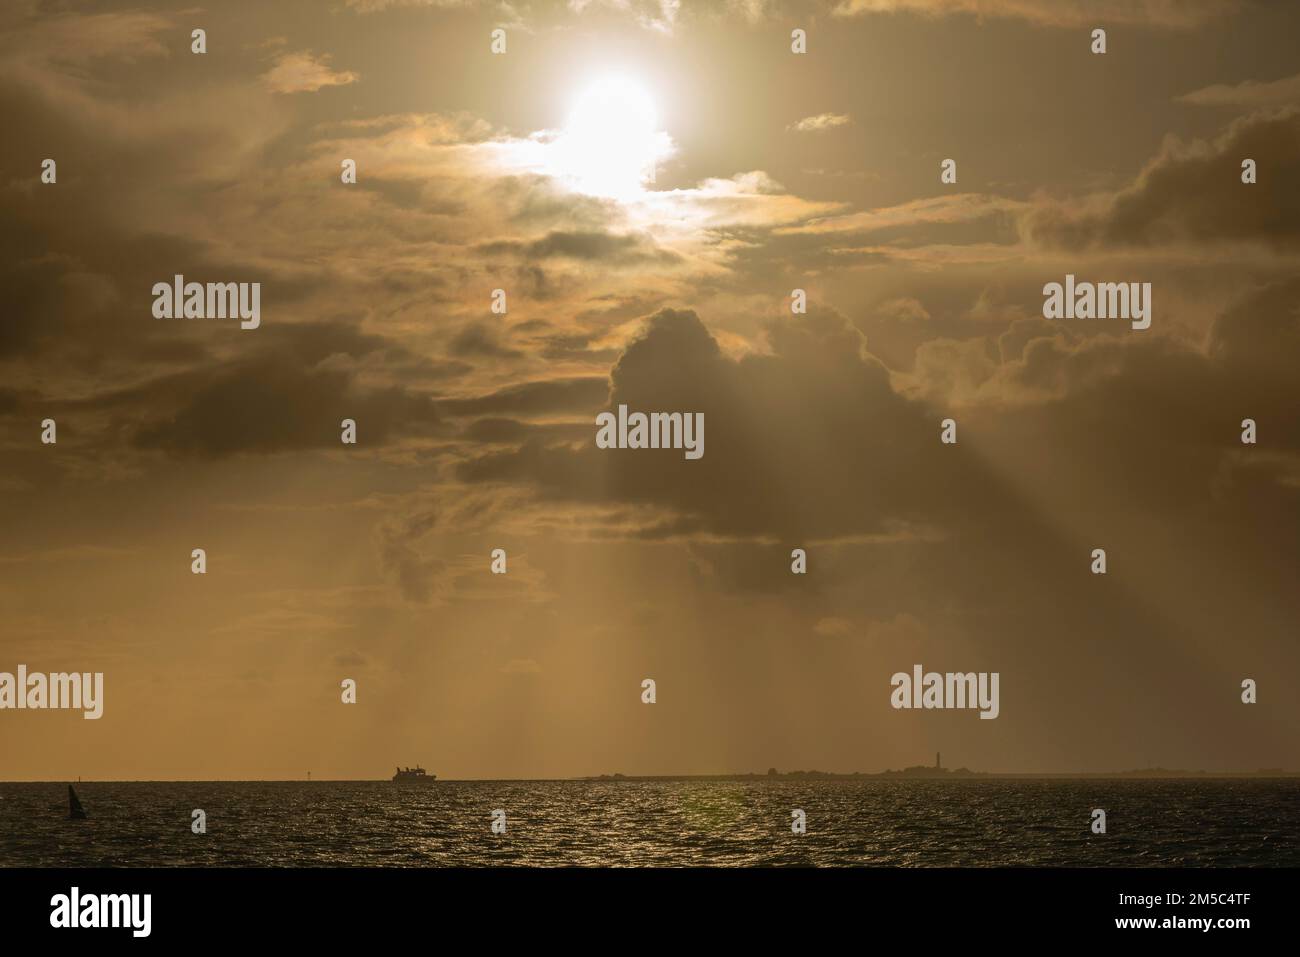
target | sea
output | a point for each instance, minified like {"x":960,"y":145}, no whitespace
{"x":743,"y":822}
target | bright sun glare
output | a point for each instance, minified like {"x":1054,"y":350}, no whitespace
{"x":610,"y":144}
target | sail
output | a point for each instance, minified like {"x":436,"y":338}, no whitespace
{"x":75,"y":811}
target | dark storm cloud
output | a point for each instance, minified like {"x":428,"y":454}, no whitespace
{"x":1152,"y":425}
{"x":1250,"y":357}
{"x":808,"y":442}
{"x":80,"y":273}
{"x":289,"y":393}
{"x":270,"y":405}
{"x":1194,"y":193}
{"x":71,"y":293}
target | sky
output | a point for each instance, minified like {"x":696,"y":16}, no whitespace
{"x":648,"y":183}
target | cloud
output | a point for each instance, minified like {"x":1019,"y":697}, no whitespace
{"x":1183,"y":14}
{"x":64,"y":45}
{"x":801,"y":483}
{"x":1192,"y":192}
{"x":581,"y":394}
{"x":659,"y":16}
{"x":591,"y":246}
{"x":932,"y":210}
{"x":1250,"y":94}
{"x":820,"y":123}
{"x":70,"y":553}
{"x":664,"y":16}
{"x":61,"y":74}
{"x":304,"y":72}
{"x":291,"y":393}
{"x":481,"y":338}
{"x":374,"y":6}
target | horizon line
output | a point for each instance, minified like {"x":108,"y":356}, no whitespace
{"x":1155,"y":772}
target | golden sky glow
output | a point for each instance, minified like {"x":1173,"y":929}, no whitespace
{"x":529,"y":172}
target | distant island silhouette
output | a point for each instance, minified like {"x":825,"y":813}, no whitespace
{"x":926,"y":772}
{"x":938,"y":771}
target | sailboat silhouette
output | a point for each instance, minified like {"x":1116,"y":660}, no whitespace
{"x":75,"y":811}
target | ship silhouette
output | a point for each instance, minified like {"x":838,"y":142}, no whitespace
{"x":415,"y":775}
{"x":75,"y":811}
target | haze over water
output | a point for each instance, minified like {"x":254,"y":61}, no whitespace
{"x":991,"y":822}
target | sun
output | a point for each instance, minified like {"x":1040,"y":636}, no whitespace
{"x":611,"y":144}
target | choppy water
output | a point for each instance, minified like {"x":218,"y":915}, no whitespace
{"x":672,"y":823}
